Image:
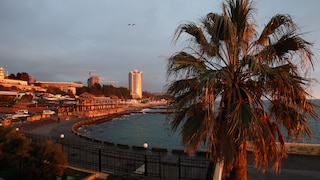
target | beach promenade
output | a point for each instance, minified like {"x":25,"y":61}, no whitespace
{"x":295,"y":167}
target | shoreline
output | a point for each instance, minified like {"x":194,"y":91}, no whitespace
{"x":295,"y":166}
{"x":50,"y":126}
{"x":53,"y":124}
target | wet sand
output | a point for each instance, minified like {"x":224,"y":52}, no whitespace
{"x":295,"y":167}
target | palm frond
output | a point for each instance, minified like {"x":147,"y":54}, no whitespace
{"x":227,"y":60}
{"x":278,"y":23}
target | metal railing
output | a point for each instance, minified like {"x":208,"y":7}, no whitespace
{"x":131,"y":161}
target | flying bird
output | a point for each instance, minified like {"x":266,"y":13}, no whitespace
{"x":131,"y":24}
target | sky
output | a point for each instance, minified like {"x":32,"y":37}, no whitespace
{"x":66,"y":40}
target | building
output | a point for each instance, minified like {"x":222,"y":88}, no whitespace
{"x":63,"y":86}
{"x":10,"y":82}
{"x":135,"y":84}
{"x":36,"y":85}
{"x":93,"y":80}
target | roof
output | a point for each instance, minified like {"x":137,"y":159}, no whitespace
{"x":62,"y":83}
{"x":8,"y":93}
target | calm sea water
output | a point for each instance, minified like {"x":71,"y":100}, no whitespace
{"x":136,"y":129}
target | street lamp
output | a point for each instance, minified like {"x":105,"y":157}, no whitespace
{"x":61,"y":139}
{"x":61,"y":136}
{"x":17,"y":129}
{"x":145,"y":145}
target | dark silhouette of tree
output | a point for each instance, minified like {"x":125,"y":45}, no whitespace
{"x":105,"y":90}
{"x":95,"y":90}
{"x":22,"y":159}
{"x":23,"y":76}
{"x":20,"y":76}
{"x":81,"y":90}
{"x":49,"y":157}
{"x":55,"y":90}
{"x":12,"y":76}
{"x":109,"y":90}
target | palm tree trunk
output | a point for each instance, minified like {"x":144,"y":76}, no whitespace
{"x":239,"y":172}
{"x":218,"y":170}
{"x":214,"y":171}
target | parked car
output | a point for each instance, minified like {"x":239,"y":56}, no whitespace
{"x":23,"y":111}
{"x":48,"y":111}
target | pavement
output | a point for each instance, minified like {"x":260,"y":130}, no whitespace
{"x":294,"y":167}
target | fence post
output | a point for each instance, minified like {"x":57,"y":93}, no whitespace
{"x":160,"y":164}
{"x":145,"y":165}
{"x":99,"y":159}
{"x":179,"y":166}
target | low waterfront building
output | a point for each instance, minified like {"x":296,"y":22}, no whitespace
{"x":63,"y":86}
{"x":89,"y":105}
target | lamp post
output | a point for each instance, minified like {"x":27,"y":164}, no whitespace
{"x":61,"y":139}
{"x":17,"y":129}
{"x":145,"y":145}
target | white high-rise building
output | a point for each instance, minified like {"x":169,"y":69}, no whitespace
{"x":135,"y":83}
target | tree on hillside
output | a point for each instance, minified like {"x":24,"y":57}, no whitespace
{"x":95,"y":90}
{"x":234,"y":86}
{"x":12,"y":76}
{"x":121,"y":92}
{"x":55,"y":90}
{"x":20,"y":76}
{"x":23,"y":76}
{"x":105,"y":90}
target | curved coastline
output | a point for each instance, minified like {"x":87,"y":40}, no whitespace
{"x":101,"y":119}
{"x":292,"y":148}
{"x":53,"y":128}
{"x":296,"y":164}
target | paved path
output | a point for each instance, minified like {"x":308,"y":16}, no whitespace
{"x":53,"y":128}
{"x":295,"y":167}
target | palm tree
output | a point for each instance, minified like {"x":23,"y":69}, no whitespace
{"x":232,"y":87}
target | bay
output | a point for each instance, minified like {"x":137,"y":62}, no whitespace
{"x":154,"y":129}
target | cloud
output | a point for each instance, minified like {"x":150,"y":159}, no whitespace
{"x":51,"y":39}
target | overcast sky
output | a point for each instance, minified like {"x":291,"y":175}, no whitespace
{"x":64,"y":40}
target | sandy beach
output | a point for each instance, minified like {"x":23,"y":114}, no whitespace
{"x":295,"y":167}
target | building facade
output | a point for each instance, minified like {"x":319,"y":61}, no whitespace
{"x":63,"y":86}
{"x":135,"y":84}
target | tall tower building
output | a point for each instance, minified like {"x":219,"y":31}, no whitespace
{"x":135,"y":83}
{"x":93,"y":80}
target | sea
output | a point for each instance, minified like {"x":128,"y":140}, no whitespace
{"x":154,"y":129}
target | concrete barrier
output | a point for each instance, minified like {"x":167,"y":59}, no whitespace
{"x":303,"y":149}
{"x":295,"y":148}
